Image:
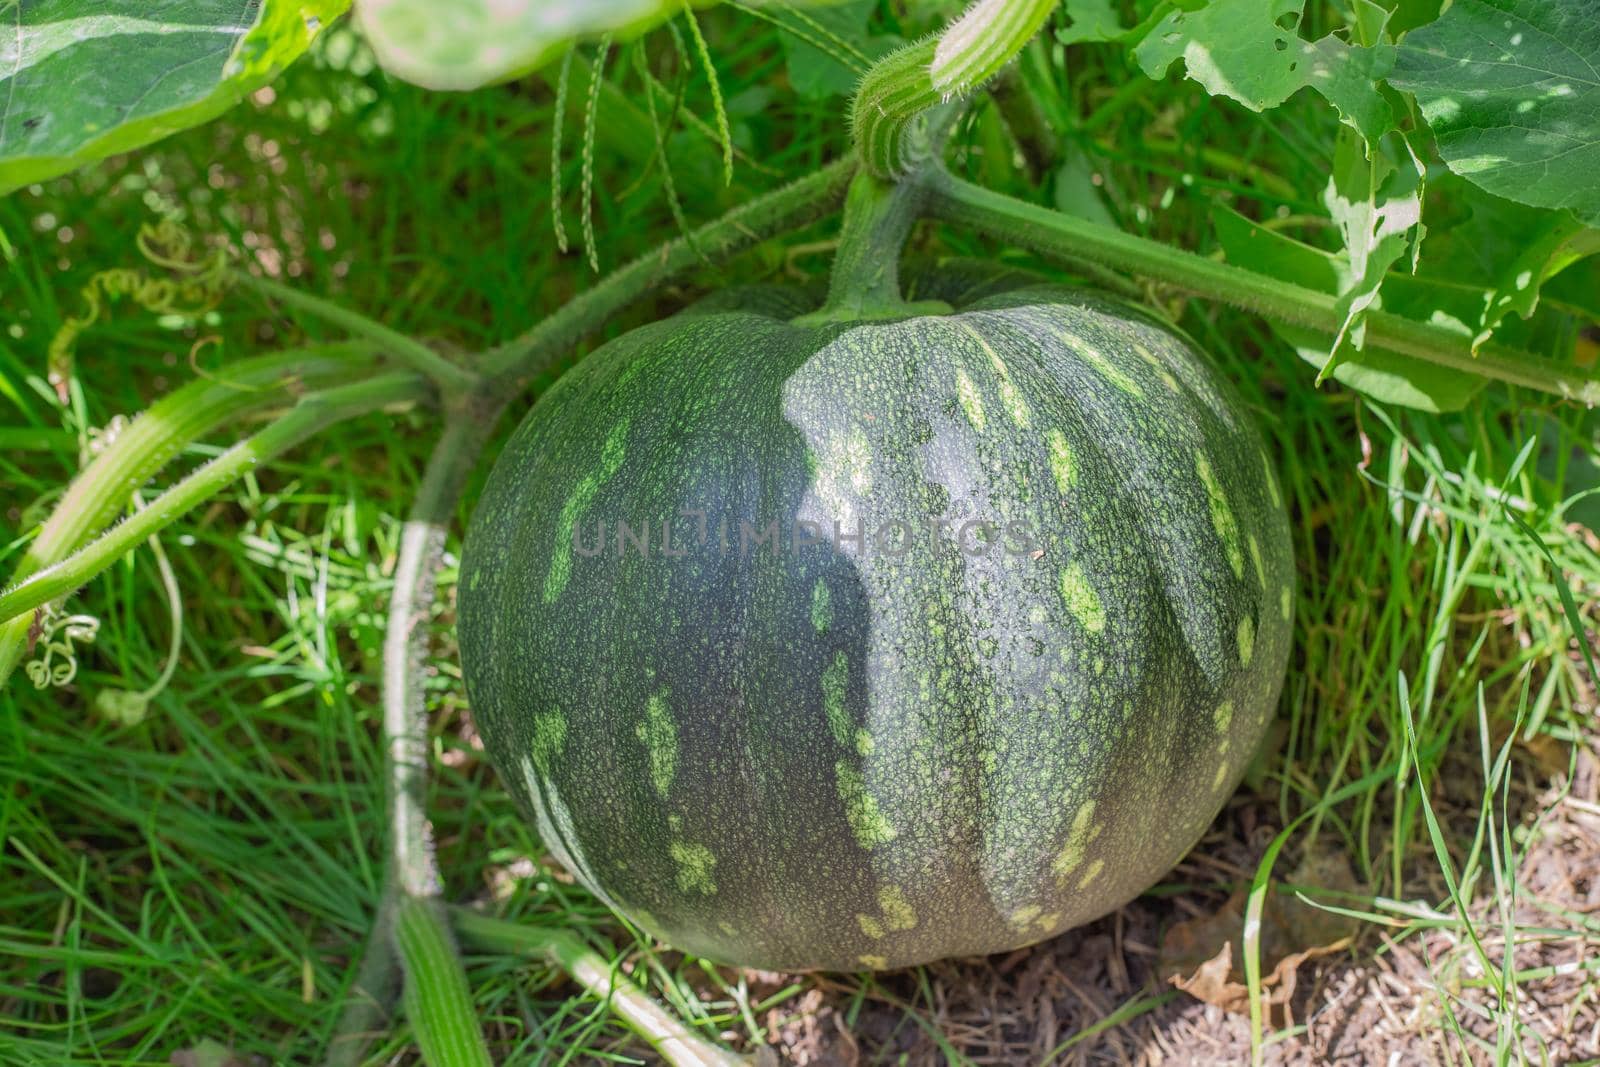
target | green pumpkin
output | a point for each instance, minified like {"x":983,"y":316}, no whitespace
{"x":807,"y":751}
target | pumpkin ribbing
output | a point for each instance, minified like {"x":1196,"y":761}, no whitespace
{"x":839,"y":755}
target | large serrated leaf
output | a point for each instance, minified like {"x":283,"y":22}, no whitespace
{"x":83,"y":80}
{"x":1241,"y":49}
{"x":1511,"y":89}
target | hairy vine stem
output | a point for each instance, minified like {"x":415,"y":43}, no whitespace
{"x":1050,"y":232}
{"x":411,"y":931}
{"x":671,"y":1040}
{"x":150,"y":441}
{"x":437,"y":999}
{"x":450,"y":377}
{"x":510,"y":367}
{"x":314,"y":412}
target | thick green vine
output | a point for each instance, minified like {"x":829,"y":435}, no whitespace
{"x":865,"y":280}
{"x":149,"y":442}
{"x":509,"y":368}
{"x":314,"y":412}
{"x":1040,"y":229}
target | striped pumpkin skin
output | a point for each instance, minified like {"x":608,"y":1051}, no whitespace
{"x":848,"y":755}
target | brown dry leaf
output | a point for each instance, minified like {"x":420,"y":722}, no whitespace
{"x":1210,"y":982}
{"x":1199,"y":955}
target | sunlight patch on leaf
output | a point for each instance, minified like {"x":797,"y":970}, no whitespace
{"x":1378,"y":209}
{"x":82,"y":83}
{"x":1488,"y":263}
{"x":1249,"y":51}
{"x":1511,"y":89}
{"x":465,"y":44}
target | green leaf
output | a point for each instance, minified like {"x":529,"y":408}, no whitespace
{"x":829,"y":48}
{"x":1248,"y":51}
{"x":1487,"y":262}
{"x":1511,"y":89}
{"x":1378,"y":208}
{"x":1091,"y":20}
{"x":1076,"y":192}
{"x":1347,"y":77}
{"x":1385,"y":376}
{"x":85,"y":80}
{"x":465,"y":44}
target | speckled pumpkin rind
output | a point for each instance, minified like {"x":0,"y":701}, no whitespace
{"x":840,"y":756}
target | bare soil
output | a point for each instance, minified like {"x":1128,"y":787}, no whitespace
{"x":1383,"y":1000}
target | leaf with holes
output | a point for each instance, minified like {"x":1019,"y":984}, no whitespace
{"x":1248,"y":51}
{"x":1378,"y":209}
{"x":85,"y":80}
{"x":1090,"y":20}
{"x":1511,"y":89}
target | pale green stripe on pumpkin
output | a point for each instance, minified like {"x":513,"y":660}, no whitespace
{"x":897,"y":911}
{"x":1255,"y":557}
{"x":577,"y":502}
{"x":1222,"y":519}
{"x":1247,"y":640}
{"x":873,"y":963}
{"x":1161,"y":371}
{"x":658,"y":732}
{"x":821,"y":607}
{"x":694,"y":863}
{"x":1082,"y":831}
{"x":1092,"y":873}
{"x":869,"y":925}
{"x":867,"y":823}
{"x":549,"y":738}
{"x":1062,"y":465}
{"x":1081,"y":599}
{"x":1272,"y":482}
{"x":1223,"y":716}
{"x":1285,"y":600}
{"x":1100,"y":364}
{"x":1015,"y":406}
{"x":1010,"y":397}
{"x":967,"y":394}
{"x":834,"y":679}
{"x":1218,"y":778}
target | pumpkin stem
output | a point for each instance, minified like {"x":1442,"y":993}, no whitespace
{"x":865,"y":281}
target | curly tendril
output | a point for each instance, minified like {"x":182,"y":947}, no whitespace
{"x":57,"y":660}
{"x":202,"y":279}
